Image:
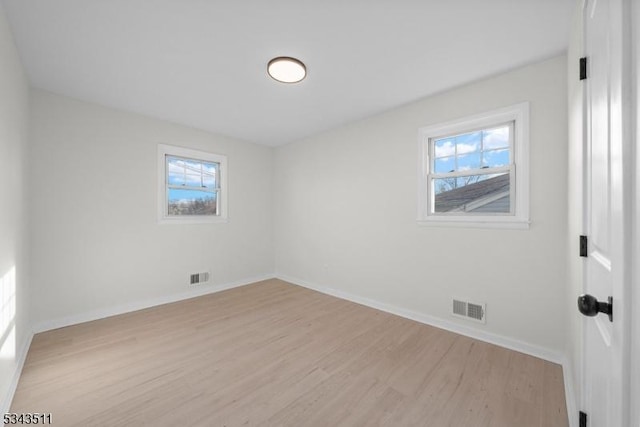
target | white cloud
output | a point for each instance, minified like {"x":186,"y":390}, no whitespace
{"x":496,"y":138}
{"x":467,"y":148}
{"x":445,"y":149}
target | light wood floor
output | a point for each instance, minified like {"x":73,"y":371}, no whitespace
{"x":274,"y":354}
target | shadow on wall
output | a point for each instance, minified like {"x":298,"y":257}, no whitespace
{"x":8,"y":315}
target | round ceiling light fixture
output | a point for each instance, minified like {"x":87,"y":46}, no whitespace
{"x":286,"y":69}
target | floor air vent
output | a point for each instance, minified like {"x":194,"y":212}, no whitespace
{"x":197,"y":278}
{"x":469,"y":310}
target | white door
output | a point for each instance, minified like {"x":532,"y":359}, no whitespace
{"x":605,"y":387}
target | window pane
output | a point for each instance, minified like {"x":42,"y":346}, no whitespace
{"x":209,"y":168}
{"x":469,"y":142}
{"x":495,"y":158}
{"x":445,"y":147}
{"x":191,"y":165}
{"x":474,"y":193}
{"x":209,"y":182}
{"x":210,"y":174}
{"x":193,"y":180}
{"x":176,"y":179}
{"x":469,"y":161}
{"x":175,"y":171}
{"x":496,"y":138}
{"x":445,"y":164}
{"x":175,"y":165}
{"x":192,"y":202}
{"x":192,"y":173}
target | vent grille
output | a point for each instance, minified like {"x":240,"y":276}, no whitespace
{"x":197,"y":278}
{"x":469,"y":311}
{"x":459,"y":307}
{"x":475,"y":311}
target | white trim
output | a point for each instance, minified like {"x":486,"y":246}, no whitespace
{"x":222,"y":199}
{"x":140,"y":305}
{"x":500,"y":340}
{"x":486,"y":222}
{"x":11,"y":391}
{"x":635,"y":228}
{"x":569,"y":392}
{"x":470,"y":172}
{"x":519,"y":114}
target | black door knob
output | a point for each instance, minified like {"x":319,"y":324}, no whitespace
{"x":590,"y":306}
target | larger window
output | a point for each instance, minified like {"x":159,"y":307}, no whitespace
{"x":474,"y":171}
{"x":192,"y":185}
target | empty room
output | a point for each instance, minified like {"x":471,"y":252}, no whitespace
{"x":319,"y":213}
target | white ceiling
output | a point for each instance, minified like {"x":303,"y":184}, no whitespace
{"x":203,"y":62}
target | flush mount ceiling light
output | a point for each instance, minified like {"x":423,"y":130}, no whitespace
{"x":286,"y":70}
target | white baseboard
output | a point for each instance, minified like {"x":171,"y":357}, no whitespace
{"x":139,"y":305}
{"x":21,"y":357}
{"x":502,"y":341}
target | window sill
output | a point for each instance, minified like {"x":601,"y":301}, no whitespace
{"x":492,"y":223}
{"x":192,"y":220}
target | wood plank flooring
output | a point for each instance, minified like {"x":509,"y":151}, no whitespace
{"x":275,"y":354}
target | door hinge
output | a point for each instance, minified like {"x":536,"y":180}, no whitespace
{"x":583,"y":419}
{"x":583,"y":246}
{"x":583,"y":68}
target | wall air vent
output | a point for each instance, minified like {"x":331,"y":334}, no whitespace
{"x":198,"y":278}
{"x":469,"y":310}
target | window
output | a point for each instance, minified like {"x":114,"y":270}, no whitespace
{"x":474,"y":171}
{"x":192,"y":185}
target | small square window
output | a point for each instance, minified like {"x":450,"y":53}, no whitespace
{"x":474,"y":171}
{"x":192,"y":185}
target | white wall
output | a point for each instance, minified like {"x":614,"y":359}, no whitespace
{"x":14,"y":105}
{"x":346,"y":206}
{"x":97,"y":245}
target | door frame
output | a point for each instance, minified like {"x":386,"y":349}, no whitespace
{"x":621,"y":128}
{"x":635,"y":235}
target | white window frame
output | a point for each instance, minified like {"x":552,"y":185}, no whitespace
{"x":519,"y":170}
{"x":165,"y":150}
